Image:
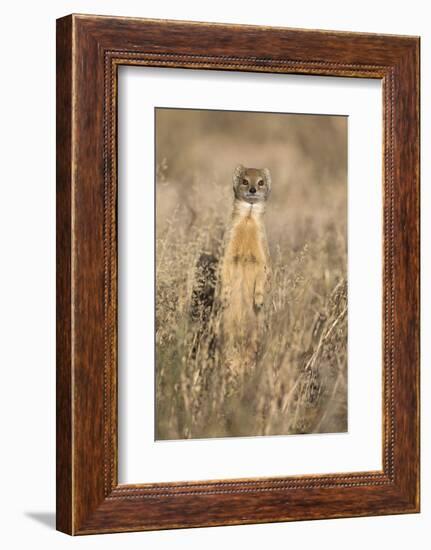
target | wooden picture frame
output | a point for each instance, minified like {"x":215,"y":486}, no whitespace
{"x":89,"y":51}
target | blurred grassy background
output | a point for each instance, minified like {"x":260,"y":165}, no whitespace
{"x":300,"y":385}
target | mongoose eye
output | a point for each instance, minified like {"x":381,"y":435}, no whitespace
{"x":260,"y":183}
{"x":244,"y":182}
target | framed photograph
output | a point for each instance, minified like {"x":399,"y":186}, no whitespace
{"x":237,"y":274}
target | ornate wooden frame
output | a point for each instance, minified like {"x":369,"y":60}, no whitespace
{"x":89,"y":51}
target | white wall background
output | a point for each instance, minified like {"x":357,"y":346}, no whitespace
{"x":27,"y":260}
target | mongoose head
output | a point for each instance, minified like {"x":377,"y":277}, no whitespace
{"x":251,"y":185}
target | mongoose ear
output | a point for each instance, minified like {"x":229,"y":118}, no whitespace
{"x":268,"y":179}
{"x":238,"y":174}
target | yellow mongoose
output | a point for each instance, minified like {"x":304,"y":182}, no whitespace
{"x":245,"y":269}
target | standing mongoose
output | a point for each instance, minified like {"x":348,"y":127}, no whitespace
{"x":245,"y":270}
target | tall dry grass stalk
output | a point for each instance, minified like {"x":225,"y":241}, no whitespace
{"x":300,"y":382}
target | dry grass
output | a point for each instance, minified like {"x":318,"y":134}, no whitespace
{"x":300,"y":382}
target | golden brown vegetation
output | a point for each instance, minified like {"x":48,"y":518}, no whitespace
{"x":300,"y":382}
